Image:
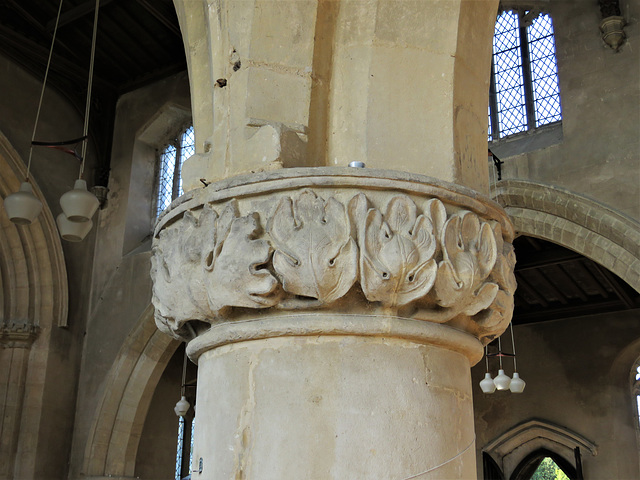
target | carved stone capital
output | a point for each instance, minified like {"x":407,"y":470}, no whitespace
{"x":333,"y":240}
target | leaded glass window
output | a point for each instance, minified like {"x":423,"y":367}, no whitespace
{"x":171,"y":159}
{"x":178,"y":471}
{"x":636,"y":392}
{"x":524,"y":92}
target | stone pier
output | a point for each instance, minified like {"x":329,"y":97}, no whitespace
{"x":334,"y":312}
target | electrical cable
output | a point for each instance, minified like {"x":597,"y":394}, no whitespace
{"x":85,"y":130}
{"x":44,"y":85}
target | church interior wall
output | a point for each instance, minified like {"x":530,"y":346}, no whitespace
{"x":121,"y":288}
{"x":572,"y":368}
{"x":596,"y":149}
{"x":574,"y":381}
{"x":54,"y":173}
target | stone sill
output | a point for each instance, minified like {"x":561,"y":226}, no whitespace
{"x":529,"y":141}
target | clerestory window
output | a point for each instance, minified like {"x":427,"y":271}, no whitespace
{"x":524,"y":92}
{"x":171,"y":159}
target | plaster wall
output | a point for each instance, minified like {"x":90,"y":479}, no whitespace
{"x":578,"y":377}
{"x":54,"y":172}
{"x":596,"y":150}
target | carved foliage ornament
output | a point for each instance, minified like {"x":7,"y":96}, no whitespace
{"x":312,"y":252}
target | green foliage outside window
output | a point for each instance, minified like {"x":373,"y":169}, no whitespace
{"x":549,"y":470}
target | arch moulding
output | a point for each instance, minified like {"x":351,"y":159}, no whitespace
{"x":33,"y":301}
{"x":119,"y":419}
{"x":513,"y":446}
{"x":576,"y":222}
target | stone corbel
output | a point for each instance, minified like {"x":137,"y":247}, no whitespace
{"x":17,"y":335}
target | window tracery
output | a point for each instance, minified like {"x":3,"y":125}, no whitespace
{"x":171,"y":159}
{"x":524,"y":93}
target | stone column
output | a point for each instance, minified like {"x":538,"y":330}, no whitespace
{"x":334,"y":314}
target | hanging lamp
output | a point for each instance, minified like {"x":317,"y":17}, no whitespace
{"x":182,"y":407}
{"x":78,"y":205}
{"x":517,"y":384}
{"x":73,"y":231}
{"x":486,"y":384}
{"x":502,"y":380}
{"x":23,"y":207}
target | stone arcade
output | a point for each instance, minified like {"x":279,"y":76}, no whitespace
{"x":338,"y":315}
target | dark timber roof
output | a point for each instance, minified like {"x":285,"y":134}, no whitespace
{"x":554,"y":283}
{"x":138,"y":43}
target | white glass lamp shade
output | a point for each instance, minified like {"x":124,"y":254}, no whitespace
{"x":72,"y":231}
{"x":182,"y":407}
{"x":23,"y":207}
{"x":502,"y":381}
{"x":486,"y":384}
{"x":78,"y":204}
{"x":517,"y":384}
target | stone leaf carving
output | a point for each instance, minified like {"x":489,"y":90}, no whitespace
{"x":495,"y":319}
{"x":234,"y":259}
{"x":469,"y":255}
{"x":205,"y":264}
{"x":315,"y":255}
{"x":179,"y":293}
{"x":396,"y":259}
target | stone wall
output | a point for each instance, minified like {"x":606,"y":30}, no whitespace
{"x":121,"y":285}
{"x":54,"y":358}
{"x":578,"y":375}
{"x":597,"y":150}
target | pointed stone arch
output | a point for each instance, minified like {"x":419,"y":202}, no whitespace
{"x":576,"y":222}
{"x":119,"y":418}
{"x":33,"y":301}
{"x":520,"y":443}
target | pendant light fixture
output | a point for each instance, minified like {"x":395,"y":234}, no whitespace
{"x":78,"y":205}
{"x":182,"y":407}
{"x":73,"y":231}
{"x":517,"y":384}
{"x":23,"y":207}
{"x":486,"y":384}
{"x":502,"y":380}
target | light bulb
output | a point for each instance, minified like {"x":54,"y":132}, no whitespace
{"x":517,"y":384}
{"x":502,"y":381}
{"x":486,"y":384}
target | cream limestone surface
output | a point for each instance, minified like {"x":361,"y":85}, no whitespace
{"x":333,"y":407}
{"x":333,"y":269}
{"x":334,"y":313}
{"x":378,"y":81}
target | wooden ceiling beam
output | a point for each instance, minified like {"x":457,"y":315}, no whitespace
{"x":30,"y":50}
{"x":542,"y":315}
{"x":547,"y":258}
{"x":163,"y":18}
{"x":548,"y":284}
{"x":524,"y":284}
{"x":615,"y":286}
{"x":75,"y":13}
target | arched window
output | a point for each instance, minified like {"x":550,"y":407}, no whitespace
{"x":524,"y":92}
{"x":171,"y":159}
{"x":544,"y":464}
